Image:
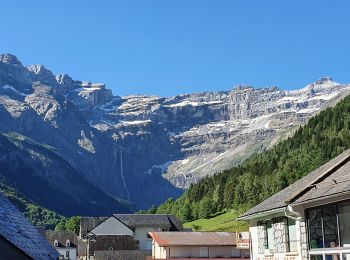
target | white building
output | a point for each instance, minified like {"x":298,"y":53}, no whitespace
{"x":209,"y":245}
{"x":310,"y":219}
{"x":136,"y":227}
{"x":65,"y":242}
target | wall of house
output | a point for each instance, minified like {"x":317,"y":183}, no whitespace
{"x":159,"y":252}
{"x":257,"y":254}
{"x":112,"y":226}
{"x":141,"y":235}
{"x":72,"y":252}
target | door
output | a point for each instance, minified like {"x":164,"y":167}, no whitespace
{"x":204,"y":252}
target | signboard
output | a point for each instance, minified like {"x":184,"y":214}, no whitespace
{"x":243,"y":240}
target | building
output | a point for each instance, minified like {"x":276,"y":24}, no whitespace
{"x":19,"y":239}
{"x":65,"y":242}
{"x":209,"y":245}
{"x":123,"y":232}
{"x":310,"y":219}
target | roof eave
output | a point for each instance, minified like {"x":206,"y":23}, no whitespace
{"x":262,"y":214}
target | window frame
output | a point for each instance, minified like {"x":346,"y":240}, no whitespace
{"x":321,"y":207}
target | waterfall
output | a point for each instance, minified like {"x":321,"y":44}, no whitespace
{"x":122,"y":175}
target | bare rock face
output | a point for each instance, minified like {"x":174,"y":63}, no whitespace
{"x":144,"y":148}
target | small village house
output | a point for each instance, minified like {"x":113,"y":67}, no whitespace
{"x":310,"y":219}
{"x":209,"y":245}
{"x":65,"y":242}
{"x":123,"y":232}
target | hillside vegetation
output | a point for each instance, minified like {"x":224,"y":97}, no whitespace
{"x":222,"y":222}
{"x":325,"y":136}
{"x":37,"y":214}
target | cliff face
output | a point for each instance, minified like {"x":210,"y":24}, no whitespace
{"x":147,"y":148}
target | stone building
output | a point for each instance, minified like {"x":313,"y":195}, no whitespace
{"x":310,"y":219}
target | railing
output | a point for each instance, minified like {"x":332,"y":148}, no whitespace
{"x":337,"y":253}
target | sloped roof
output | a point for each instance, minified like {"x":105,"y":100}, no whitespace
{"x":62,"y":237}
{"x":194,"y":238}
{"x":153,"y":220}
{"x":16,"y":229}
{"x":89,"y":223}
{"x":315,"y":185}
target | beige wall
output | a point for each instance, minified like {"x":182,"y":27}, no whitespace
{"x":141,"y":233}
{"x":159,"y":252}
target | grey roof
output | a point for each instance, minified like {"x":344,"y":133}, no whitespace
{"x":134,"y":220}
{"x":89,"y":223}
{"x":315,"y":185}
{"x":62,"y":237}
{"x":152,"y":220}
{"x":16,"y":229}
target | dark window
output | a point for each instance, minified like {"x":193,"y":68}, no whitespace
{"x":344,"y":224}
{"x":329,"y":225}
{"x":315,"y":228}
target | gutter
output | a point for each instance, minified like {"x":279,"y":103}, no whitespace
{"x":290,"y":213}
{"x":261,"y":214}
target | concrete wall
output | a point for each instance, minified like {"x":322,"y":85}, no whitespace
{"x":72,"y":252}
{"x":159,"y":252}
{"x":141,"y":235}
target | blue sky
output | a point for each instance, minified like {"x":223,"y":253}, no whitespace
{"x":168,"y":47}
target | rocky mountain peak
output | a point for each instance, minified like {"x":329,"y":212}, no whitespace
{"x":240,"y":88}
{"x":10,"y":59}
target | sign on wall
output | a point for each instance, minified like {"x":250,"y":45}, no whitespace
{"x":243,"y":240}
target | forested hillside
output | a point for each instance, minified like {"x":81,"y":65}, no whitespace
{"x":322,"y":138}
{"x":37,"y":214}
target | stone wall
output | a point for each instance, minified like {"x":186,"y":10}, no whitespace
{"x":303,"y":240}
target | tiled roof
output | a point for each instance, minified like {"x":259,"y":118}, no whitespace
{"x":315,"y":185}
{"x":62,"y":237}
{"x":153,"y":220}
{"x":194,"y":238}
{"x":15,"y":228}
{"x":89,"y":223}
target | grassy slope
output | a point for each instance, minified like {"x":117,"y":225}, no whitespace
{"x":223,"y":222}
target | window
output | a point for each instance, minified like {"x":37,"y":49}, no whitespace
{"x":269,"y":234}
{"x":315,"y":228}
{"x":292,"y":235}
{"x":329,"y":226}
{"x":67,"y":254}
{"x":55,"y":243}
{"x":344,"y":224}
{"x":67,"y":243}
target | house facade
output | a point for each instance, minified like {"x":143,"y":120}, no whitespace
{"x":65,"y":242}
{"x":310,"y":219}
{"x":131,"y":230}
{"x":186,"y":245}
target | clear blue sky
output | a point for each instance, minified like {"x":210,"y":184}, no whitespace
{"x":168,"y":47}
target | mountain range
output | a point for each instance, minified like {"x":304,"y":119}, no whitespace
{"x":77,"y":149}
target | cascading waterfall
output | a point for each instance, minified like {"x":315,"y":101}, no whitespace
{"x":122,"y":175}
